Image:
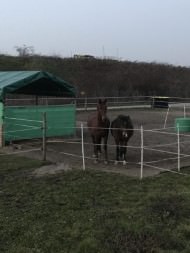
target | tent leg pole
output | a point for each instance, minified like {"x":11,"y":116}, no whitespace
{"x":1,"y":125}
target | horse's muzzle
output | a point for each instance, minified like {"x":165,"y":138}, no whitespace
{"x":125,"y":134}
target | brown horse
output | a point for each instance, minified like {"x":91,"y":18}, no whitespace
{"x":98,"y":125}
{"x":122,"y":131}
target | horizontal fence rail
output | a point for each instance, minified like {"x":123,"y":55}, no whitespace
{"x":85,"y":102}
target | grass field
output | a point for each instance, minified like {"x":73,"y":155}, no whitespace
{"x":91,"y":211}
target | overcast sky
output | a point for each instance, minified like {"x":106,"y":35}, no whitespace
{"x":135,"y":30}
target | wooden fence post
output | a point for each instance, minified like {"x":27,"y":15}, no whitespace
{"x":1,"y":125}
{"x":82,"y":142}
{"x":44,"y":132}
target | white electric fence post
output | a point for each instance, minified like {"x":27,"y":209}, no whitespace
{"x":166,"y":118}
{"x":142,"y":152}
{"x":178,"y":148}
{"x":82,"y":142}
{"x":184,"y":111}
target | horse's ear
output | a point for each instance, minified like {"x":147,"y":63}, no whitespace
{"x":102,"y":101}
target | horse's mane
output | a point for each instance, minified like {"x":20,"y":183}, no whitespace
{"x":123,"y":117}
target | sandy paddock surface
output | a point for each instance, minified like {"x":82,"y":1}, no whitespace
{"x":66,"y":153}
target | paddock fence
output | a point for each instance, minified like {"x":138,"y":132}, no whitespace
{"x":149,"y":151}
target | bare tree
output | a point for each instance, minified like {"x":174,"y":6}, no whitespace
{"x":24,"y":51}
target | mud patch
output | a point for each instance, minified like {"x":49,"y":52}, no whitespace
{"x":51,"y":169}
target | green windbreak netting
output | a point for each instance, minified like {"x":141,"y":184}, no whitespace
{"x":22,"y":123}
{"x":34,"y":83}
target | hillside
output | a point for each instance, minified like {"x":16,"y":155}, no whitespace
{"x":106,"y":77}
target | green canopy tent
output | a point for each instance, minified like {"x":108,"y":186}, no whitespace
{"x":37,"y":83}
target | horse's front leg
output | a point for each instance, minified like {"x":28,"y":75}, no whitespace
{"x":124,"y":153}
{"x":105,"y":149}
{"x":95,"y":155}
{"x":117,"y":153}
{"x":99,"y":140}
{"x":97,"y":148}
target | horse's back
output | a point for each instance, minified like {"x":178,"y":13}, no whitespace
{"x":122,"y":121}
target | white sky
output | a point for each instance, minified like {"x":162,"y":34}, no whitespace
{"x":135,"y":30}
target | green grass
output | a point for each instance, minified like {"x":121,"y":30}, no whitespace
{"x":93,"y":212}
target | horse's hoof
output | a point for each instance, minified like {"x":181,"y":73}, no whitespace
{"x":124,"y":163}
{"x":116,"y":162}
{"x":106,"y":162}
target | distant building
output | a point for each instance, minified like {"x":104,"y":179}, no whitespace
{"x":83,"y":56}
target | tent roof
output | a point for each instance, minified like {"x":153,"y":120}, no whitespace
{"x":34,"y":83}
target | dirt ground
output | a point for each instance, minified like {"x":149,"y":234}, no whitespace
{"x":66,"y":153}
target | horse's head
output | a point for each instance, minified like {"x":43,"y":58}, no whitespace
{"x":125,"y":126}
{"x":102,"y":108}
